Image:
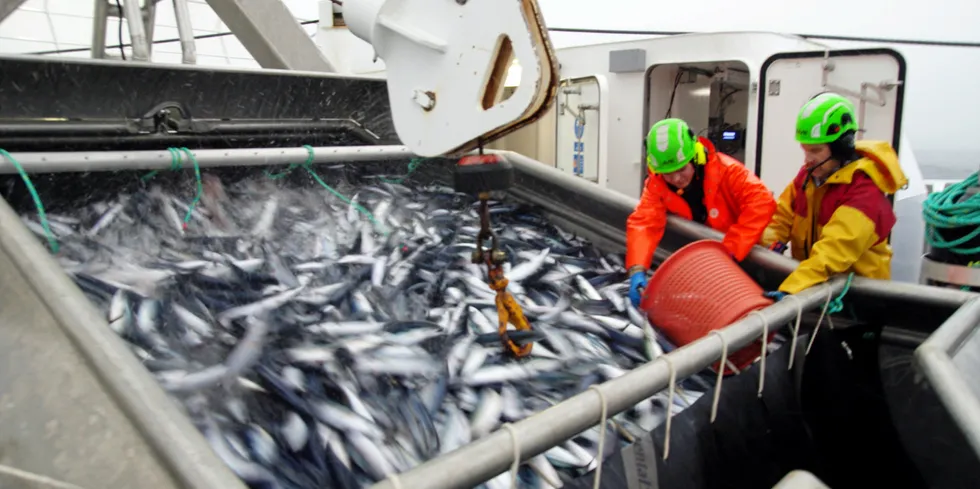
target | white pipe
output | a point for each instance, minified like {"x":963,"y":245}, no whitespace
{"x":137,"y":35}
{"x":185,"y":31}
{"x":80,"y":161}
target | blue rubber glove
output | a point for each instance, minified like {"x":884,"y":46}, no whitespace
{"x":775,"y":295}
{"x":778,"y":247}
{"x":638,"y":281}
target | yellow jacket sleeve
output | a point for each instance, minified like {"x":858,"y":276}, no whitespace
{"x":782,"y":221}
{"x":847,"y":235}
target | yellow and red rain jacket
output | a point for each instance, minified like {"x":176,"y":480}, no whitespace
{"x":738,"y":204}
{"x":843,"y":225}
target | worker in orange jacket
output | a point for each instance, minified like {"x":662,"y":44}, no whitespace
{"x":692,"y":180}
{"x":836,"y":213}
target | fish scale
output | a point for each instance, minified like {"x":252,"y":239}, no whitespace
{"x":357,"y":354}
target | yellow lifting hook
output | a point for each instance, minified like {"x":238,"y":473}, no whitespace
{"x":479,"y":174}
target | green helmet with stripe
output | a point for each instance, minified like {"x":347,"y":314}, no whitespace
{"x":824,"y":119}
{"x":670,"y":145}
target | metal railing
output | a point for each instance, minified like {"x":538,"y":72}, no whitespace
{"x":492,"y":455}
{"x":935,"y":358}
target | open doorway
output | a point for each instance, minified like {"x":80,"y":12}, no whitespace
{"x":711,"y":97}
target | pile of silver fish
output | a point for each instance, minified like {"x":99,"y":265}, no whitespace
{"x":323,"y":341}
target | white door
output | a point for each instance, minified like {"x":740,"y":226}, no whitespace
{"x":871,"y":78}
{"x":874,"y":79}
{"x":577,"y":126}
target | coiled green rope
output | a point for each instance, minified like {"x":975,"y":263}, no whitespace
{"x":948,"y":210}
{"x":42,"y":216}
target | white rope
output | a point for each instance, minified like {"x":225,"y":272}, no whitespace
{"x":796,"y":330}
{"x":395,"y":481}
{"x":733,"y":367}
{"x":602,"y":435}
{"x":721,"y":374}
{"x":670,"y":403}
{"x":762,"y":358}
{"x":830,"y":295}
{"x":35,"y":480}
{"x":517,"y":454}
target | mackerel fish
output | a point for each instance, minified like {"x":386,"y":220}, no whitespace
{"x":318,"y":341}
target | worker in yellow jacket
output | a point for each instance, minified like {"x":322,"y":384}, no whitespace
{"x":836,"y":214}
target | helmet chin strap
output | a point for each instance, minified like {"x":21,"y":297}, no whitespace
{"x":809,"y":173}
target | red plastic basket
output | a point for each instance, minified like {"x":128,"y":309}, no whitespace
{"x":699,"y":289}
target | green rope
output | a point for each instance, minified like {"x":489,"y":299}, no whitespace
{"x":412,"y":166}
{"x":948,"y":210}
{"x":176,"y":165}
{"x":837,"y":304}
{"x":308,"y":166}
{"x":200,"y":186}
{"x":42,"y":216}
{"x":293,"y":166}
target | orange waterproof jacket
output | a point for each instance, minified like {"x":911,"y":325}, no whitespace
{"x":738,"y":204}
{"x":843,"y":225}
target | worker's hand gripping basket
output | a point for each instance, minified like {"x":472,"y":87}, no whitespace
{"x":698,"y":289}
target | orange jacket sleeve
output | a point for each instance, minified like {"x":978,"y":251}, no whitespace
{"x":755,"y":209}
{"x":645,"y":226}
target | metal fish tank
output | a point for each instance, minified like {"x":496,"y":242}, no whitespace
{"x":231,"y":316}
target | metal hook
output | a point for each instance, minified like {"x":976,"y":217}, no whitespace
{"x":671,"y":386}
{"x":721,"y":373}
{"x":762,"y":358}
{"x":796,"y":330}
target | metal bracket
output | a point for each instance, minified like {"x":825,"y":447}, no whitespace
{"x":774,"y":88}
{"x":564,"y":105}
{"x":8,"y":7}
{"x":170,"y":118}
{"x":458,"y":55}
{"x":272,"y":35}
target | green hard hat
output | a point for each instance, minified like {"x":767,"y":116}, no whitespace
{"x":824,"y":119}
{"x":670,"y":146}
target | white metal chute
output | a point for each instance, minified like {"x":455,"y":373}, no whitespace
{"x":446,"y":64}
